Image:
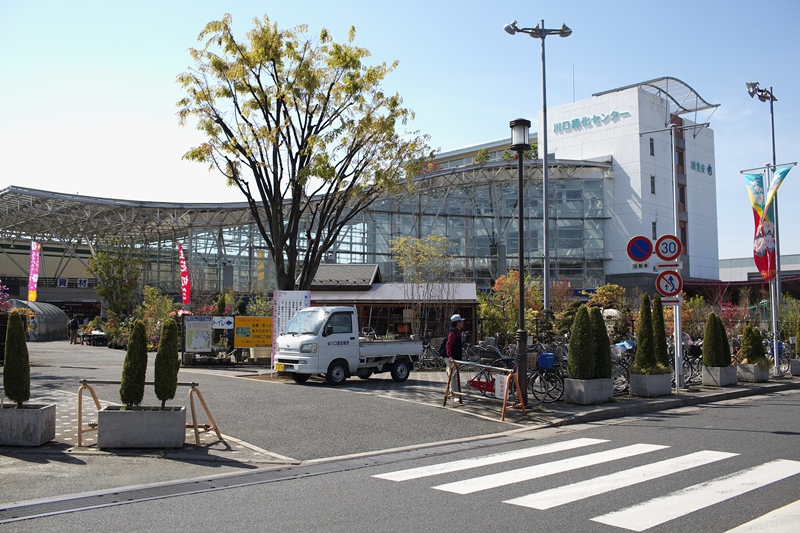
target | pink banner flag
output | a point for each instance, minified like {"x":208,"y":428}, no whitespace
{"x":186,"y":284}
{"x":33,"y":276}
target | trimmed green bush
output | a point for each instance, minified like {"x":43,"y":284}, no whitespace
{"x":660,"y":332}
{"x":713,"y":350}
{"x":580,"y":360}
{"x":17,"y":369}
{"x":602,"y":346}
{"x":166,"y":367}
{"x":134,"y":369}
{"x":753,"y":348}
{"x":726,"y":345}
{"x":645,"y":361}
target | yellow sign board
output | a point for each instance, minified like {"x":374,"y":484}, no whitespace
{"x":252,"y":331}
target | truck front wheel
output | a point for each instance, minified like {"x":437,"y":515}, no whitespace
{"x":337,"y":373}
{"x":400,"y":371}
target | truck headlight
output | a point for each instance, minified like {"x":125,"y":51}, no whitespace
{"x":310,"y":347}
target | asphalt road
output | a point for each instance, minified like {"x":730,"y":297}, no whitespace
{"x":743,"y":436}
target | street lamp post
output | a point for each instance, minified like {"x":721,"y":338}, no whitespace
{"x":520,"y":143}
{"x":540,"y":32}
{"x":766,"y":95}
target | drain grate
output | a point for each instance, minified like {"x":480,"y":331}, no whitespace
{"x":73,"y":504}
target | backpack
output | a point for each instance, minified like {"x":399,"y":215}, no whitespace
{"x":443,"y":347}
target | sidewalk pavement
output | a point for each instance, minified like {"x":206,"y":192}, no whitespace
{"x":50,"y":471}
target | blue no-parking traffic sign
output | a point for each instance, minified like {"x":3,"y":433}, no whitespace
{"x":640,"y":248}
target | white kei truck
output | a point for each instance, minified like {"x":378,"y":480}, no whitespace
{"x":326,"y":341}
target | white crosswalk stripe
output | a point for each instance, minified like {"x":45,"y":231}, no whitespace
{"x":500,"y":479}
{"x":548,"y":499}
{"x":659,"y":510}
{"x":783,"y":520}
{"x":495,"y":458}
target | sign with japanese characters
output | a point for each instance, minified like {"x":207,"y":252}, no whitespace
{"x":587,"y":122}
{"x":33,"y":277}
{"x":252,"y":331}
{"x":198,"y":334}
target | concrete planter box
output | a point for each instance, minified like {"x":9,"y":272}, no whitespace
{"x":650,"y":385}
{"x":720,"y":376}
{"x":33,"y":425}
{"x":752,"y":374}
{"x":588,"y":391}
{"x":141,"y":427}
{"x":794,"y":367}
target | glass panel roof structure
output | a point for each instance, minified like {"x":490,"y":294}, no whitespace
{"x":681,"y":97}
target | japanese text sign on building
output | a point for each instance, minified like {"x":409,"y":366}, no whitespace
{"x":252,"y":332}
{"x":586,"y":122}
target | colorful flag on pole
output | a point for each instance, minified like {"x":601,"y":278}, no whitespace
{"x":186,"y":284}
{"x":777,"y":179}
{"x":33,"y":275}
{"x":764,"y":219}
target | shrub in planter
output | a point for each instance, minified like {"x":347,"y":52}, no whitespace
{"x":167,"y":364}
{"x":713,"y":349}
{"x":134,"y":369}
{"x":580,"y":360}
{"x":602,"y":345}
{"x":753,"y":348}
{"x":660,"y":332}
{"x":645,"y":361}
{"x":17,"y":370}
{"x":726,"y":345}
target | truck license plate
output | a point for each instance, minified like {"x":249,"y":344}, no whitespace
{"x":279,"y":367}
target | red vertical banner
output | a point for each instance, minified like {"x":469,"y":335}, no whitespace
{"x":33,"y":276}
{"x":186,"y":284}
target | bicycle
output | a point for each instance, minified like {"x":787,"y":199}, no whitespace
{"x":545,"y":382}
{"x":484,"y":381}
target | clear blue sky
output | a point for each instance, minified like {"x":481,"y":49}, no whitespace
{"x":88,"y":87}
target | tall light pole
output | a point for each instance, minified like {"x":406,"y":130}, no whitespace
{"x":520,"y":143}
{"x":766,"y":95}
{"x":540,"y":32}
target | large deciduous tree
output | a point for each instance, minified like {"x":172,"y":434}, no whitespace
{"x":117,"y":271}
{"x":302,"y":127}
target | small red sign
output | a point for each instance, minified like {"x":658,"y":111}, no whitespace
{"x":669,"y":283}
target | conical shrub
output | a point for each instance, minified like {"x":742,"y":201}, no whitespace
{"x":17,"y":369}
{"x":134,"y":369}
{"x":726,"y":345}
{"x":580,"y":360}
{"x":645,"y":361}
{"x":660,"y":332}
{"x":166,"y":366}
{"x":602,"y":346}
{"x":753,"y":348}
{"x":712,"y":342}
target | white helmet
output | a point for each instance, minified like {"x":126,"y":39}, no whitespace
{"x":456,"y":318}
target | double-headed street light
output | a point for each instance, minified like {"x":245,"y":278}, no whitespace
{"x":766,"y":95}
{"x":540,"y":32}
{"x":520,"y":143}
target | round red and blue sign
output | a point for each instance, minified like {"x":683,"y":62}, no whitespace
{"x":640,"y":248}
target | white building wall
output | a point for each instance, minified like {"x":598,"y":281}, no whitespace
{"x":611,"y":124}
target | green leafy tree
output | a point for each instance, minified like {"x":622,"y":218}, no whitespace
{"x":608,"y":296}
{"x":134,"y":369}
{"x":481,"y":157}
{"x":580,"y":361}
{"x":302,"y":127}
{"x":602,"y":345}
{"x":645,"y":361}
{"x":260,"y":305}
{"x":166,"y":365}
{"x":565,"y":318}
{"x":117,"y":271}
{"x":753,"y":348}
{"x":659,"y":332}
{"x":713,"y":350}
{"x":17,"y":369}
{"x":154,"y":310}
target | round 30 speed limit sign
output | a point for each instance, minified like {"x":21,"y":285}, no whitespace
{"x":668,"y":247}
{"x":669,"y":283}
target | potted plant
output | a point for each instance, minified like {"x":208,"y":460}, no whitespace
{"x":648,"y":377}
{"x":135,"y":426}
{"x":22,"y":424}
{"x":717,"y":369}
{"x":755,"y":366}
{"x":589,"y":360}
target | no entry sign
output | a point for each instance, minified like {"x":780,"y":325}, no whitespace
{"x":640,"y":248}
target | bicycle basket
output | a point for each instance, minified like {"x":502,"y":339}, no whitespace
{"x":546,"y":361}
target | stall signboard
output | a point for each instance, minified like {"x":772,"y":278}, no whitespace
{"x":198,"y":334}
{"x":252,"y":331}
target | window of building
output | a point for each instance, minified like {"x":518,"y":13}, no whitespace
{"x":682,"y":236}
{"x":654,"y":227}
{"x":652,"y":184}
{"x":682,"y":197}
{"x":679,"y":161}
{"x":652,"y":146}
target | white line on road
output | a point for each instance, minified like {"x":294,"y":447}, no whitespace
{"x":495,"y":458}
{"x":500,"y":479}
{"x":783,"y":520}
{"x":548,"y":499}
{"x":659,"y":510}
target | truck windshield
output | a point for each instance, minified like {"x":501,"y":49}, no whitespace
{"x":306,"y":322}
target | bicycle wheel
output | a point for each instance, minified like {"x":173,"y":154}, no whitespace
{"x":555,"y":386}
{"x":538,"y":387}
{"x":620,"y":375}
{"x":481,"y":383}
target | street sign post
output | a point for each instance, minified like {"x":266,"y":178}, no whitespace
{"x":669,"y":283}
{"x":640,"y":248}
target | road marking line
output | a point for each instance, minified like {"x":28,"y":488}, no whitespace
{"x":548,"y":499}
{"x":783,"y":520}
{"x":659,"y":510}
{"x":500,"y":479}
{"x":495,"y":458}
